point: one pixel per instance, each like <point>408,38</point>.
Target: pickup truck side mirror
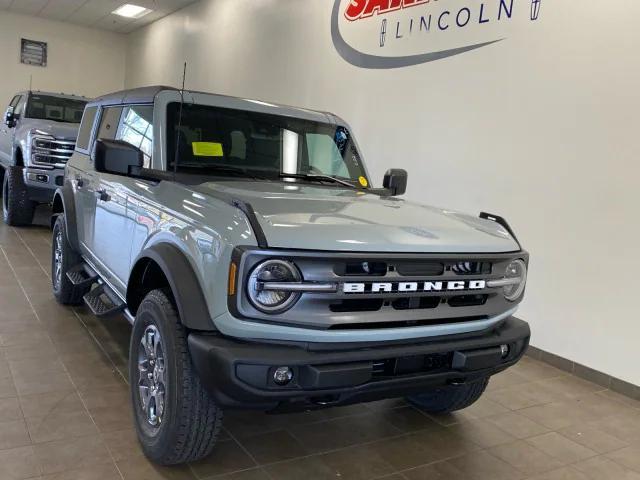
<point>117,157</point>
<point>10,118</point>
<point>395,180</point>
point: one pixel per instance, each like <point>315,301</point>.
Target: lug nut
<point>282,375</point>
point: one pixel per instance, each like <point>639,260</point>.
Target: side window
<point>15,100</point>
<point>84,134</point>
<point>18,106</point>
<point>136,128</point>
<point>324,155</point>
<point>109,123</point>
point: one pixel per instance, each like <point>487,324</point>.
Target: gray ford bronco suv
<point>37,137</point>
<point>261,270</point>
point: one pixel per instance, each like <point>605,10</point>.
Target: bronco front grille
<point>379,299</point>
<point>45,151</point>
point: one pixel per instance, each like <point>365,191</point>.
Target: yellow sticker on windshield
<point>363,181</point>
<point>207,149</point>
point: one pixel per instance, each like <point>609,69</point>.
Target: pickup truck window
<point>211,139</point>
<point>45,107</point>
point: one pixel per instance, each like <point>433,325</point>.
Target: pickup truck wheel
<point>63,257</point>
<point>450,398</point>
<point>175,418</point>
<point>17,209</point>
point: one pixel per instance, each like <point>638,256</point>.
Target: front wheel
<point>175,418</point>
<point>17,208</point>
<point>450,398</point>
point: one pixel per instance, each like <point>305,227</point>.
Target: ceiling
<point>94,13</point>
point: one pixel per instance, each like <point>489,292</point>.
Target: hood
<point>59,130</point>
<point>310,217</point>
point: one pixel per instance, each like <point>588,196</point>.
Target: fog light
<point>282,375</point>
<point>504,350</point>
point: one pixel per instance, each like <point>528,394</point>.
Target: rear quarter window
<point>86,127</point>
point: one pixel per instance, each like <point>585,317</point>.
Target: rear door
<point>7,133</point>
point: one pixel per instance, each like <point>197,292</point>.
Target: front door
<point>115,211</point>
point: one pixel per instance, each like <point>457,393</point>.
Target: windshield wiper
<point>222,169</point>
<point>321,178</point>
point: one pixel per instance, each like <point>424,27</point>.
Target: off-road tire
<point>191,420</point>
<point>17,208</point>
<point>450,398</point>
<point>63,288</point>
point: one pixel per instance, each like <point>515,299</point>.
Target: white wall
<point>541,128</point>
<point>82,61</point>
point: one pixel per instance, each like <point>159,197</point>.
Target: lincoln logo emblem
<point>535,9</point>
<point>383,32</point>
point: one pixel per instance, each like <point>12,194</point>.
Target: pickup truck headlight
<point>267,299</point>
<point>517,272</point>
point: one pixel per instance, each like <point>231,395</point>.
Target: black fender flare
<point>63,203</point>
<point>188,295</point>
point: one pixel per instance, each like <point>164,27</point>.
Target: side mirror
<point>10,118</point>
<point>395,180</point>
<point>117,157</point>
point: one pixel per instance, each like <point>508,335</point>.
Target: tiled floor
<point>65,413</point>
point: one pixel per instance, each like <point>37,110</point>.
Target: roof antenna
<point>177,155</point>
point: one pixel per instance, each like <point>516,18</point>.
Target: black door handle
<point>102,195</point>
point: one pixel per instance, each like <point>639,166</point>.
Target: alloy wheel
<point>151,379</point>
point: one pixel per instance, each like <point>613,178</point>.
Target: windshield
<point>213,140</point>
<point>46,107</point>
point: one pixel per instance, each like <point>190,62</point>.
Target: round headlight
<point>515,270</point>
<point>273,301</point>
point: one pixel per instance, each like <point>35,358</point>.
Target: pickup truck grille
<point>46,151</point>
<point>388,305</point>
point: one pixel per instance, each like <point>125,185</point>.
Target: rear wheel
<point>175,418</point>
<point>17,208</point>
<point>450,398</point>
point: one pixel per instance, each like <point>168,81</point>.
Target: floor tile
<point>561,448</point>
<point>517,425</point>
<point>71,454</point>
<point>227,457</point>
<point>274,447</point>
<point>140,468</point>
<point>628,457</point>
<point>18,463</point>
<point>14,434</point>
<point>10,409</point>
<point>60,426</point>
<point>602,468</point>
<point>525,457</point>
<point>357,463</point>
<point>107,471</point>
<point>593,438</point>
<point>482,465</point>
<point>563,473</point>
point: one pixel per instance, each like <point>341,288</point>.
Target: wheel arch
<point>18,157</point>
<point>165,265</point>
<point>63,204</point>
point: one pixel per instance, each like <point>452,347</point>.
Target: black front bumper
<point>240,374</point>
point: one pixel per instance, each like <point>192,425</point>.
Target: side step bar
<point>82,276</point>
<point>103,302</point>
